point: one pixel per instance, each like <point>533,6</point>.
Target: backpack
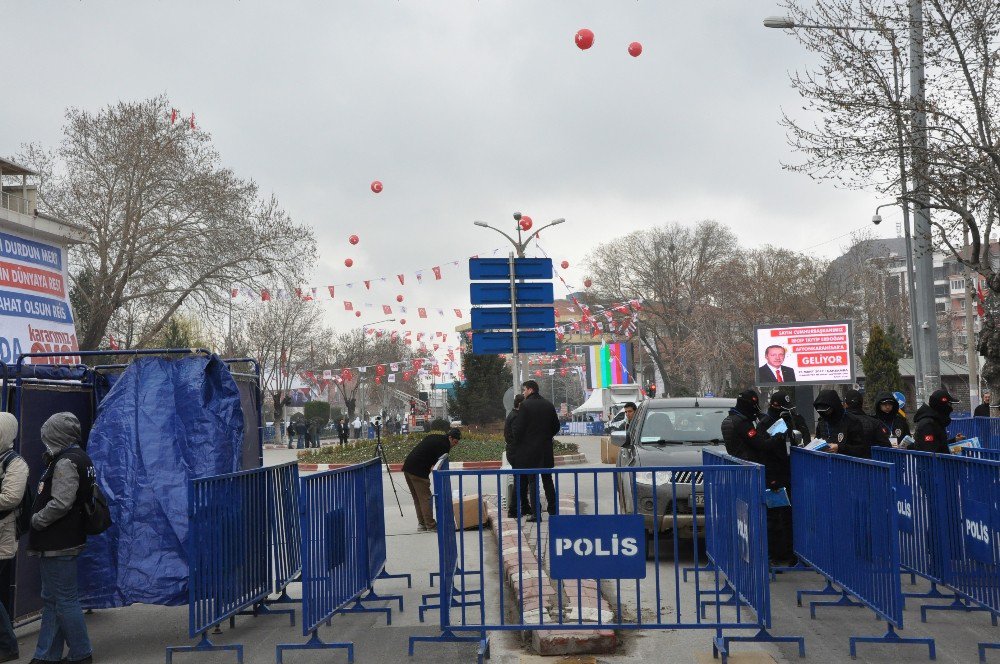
<point>22,522</point>
<point>96,513</point>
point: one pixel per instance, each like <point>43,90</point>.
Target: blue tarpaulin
<point>162,423</point>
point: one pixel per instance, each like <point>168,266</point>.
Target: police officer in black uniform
<point>887,412</point>
<point>876,434</point>
<point>778,472</point>
<point>842,431</point>
<point>739,427</point>
<point>931,422</point>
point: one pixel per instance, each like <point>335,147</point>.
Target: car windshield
<point>684,425</point>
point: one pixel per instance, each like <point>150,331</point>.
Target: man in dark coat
<point>983,409</point>
<point>931,423</point>
<point>887,412</point>
<point>342,431</point>
<point>842,431</point>
<point>417,472</point>
<point>774,454</point>
<point>533,429</point>
<point>740,427</point>
<point>510,450</point>
<point>876,434</point>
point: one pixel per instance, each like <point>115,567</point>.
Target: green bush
<point>318,410</point>
<point>439,424</point>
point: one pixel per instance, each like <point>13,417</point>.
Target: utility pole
<point>924,263</point>
<point>971,355</point>
<point>513,320</point>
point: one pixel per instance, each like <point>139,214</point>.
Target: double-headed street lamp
<point>360,381</point>
<point>520,244</point>
<point>924,334</point>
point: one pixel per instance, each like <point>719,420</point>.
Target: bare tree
<point>867,120</point>
<point>353,350</point>
<point>169,226</point>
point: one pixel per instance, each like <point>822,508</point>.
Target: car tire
<point>650,546</point>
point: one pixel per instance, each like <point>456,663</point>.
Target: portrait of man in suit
<point>774,371</point>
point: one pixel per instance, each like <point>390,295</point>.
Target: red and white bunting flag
<point>234,293</point>
<point>112,343</point>
<point>265,295</point>
<point>458,313</point>
<point>392,378</point>
<point>421,312</point>
<point>327,374</point>
<point>394,366</point>
<point>192,120</point>
<point>437,272</point>
<point>400,277</point>
<point>330,288</point>
<point>298,293</point>
<point>368,284</point>
<point>386,309</point>
<point>436,346</point>
<point>348,306</point>
<point>444,338</point>
<point>173,115</point>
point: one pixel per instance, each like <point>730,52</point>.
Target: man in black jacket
<point>510,450</point>
<point>876,434</point>
<point>57,537</point>
<point>983,409</point>
<point>773,452</point>
<point>536,424</point>
<point>842,431</point>
<point>417,472</point>
<point>931,423</point>
<point>887,412</point>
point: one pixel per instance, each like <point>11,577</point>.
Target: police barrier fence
<point>986,429</point>
<point>850,536</point>
<point>954,503</point>
<point>583,567</point>
<point>234,548</point>
<point>343,549</point>
<point>975,453</point>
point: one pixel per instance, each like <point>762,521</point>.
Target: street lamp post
<point>920,273</point>
<point>361,386</point>
<point>520,244</point>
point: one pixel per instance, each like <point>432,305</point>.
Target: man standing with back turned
<point>536,424</point>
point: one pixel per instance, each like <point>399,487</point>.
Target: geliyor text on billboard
<point>35,315</point>
<point>805,353</point>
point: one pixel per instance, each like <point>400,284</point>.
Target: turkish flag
<point>265,295</point>
<point>980,299</point>
<point>331,291</point>
<point>421,312</point>
<point>400,277</point>
<point>386,309</point>
<point>458,313</point>
<point>348,306</point>
<point>437,272</point>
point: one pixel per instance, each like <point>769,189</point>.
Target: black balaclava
<point>748,403</point>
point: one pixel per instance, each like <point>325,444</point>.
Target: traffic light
<point>651,391</point>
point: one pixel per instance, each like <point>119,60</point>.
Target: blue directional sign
<point>499,318</point>
<point>496,343</point>
<point>597,547</point>
<point>494,269</point>
<point>499,293</point>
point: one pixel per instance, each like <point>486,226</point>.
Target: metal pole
<point>926,314</point>
<point>513,320</point>
<point>361,387</point>
<point>915,341</point>
<point>971,356</point>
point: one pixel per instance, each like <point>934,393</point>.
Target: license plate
<point>699,499</point>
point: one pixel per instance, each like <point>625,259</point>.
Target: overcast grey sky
<point>464,110</point>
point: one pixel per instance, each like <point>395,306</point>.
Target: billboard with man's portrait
<point>804,353</point>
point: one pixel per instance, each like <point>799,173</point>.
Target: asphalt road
<point>139,634</point>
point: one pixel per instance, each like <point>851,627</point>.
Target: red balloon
<point>357,314</point>
<point>402,321</point>
<point>635,49</point>
<point>348,262</point>
<point>587,283</point>
<point>354,239</point>
<point>565,264</point>
<point>525,223</point>
<point>399,298</point>
<point>584,39</point>
<point>377,186</point>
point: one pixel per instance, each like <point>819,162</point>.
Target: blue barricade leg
<point>206,646</point>
<point>710,567</point>
<point>762,636</point>
<point>933,593</point>
<point>262,609</point>
<point>983,647</point>
<point>845,600</point>
<point>827,590</point>
<point>358,607</point>
<point>799,566</point>
<point>893,638</point>
<point>957,605</point>
<point>385,575</point>
<point>449,636</point>
<point>314,643</point>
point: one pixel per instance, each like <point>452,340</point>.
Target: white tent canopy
<point>593,404</point>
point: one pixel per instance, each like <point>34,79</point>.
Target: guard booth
<point>33,391</point>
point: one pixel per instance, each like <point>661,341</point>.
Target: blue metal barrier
<point>986,429</point>
<point>977,453</point>
<point>338,561</point>
<point>850,537</point>
<point>285,529</point>
<point>598,504</point>
<point>969,493</point>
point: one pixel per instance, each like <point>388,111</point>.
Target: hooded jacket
<point>57,522</point>
<point>739,428</point>
<point>930,430</point>
<point>876,434</point>
<point>840,428</point>
<point>11,485</point>
<point>893,420</point>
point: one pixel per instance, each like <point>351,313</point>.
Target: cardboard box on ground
<point>467,511</point>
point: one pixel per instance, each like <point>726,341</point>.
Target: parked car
<point>669,433</point>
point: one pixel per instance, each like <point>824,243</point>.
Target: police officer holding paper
<point>931,422</point>
<point>842,431</point>
<point>876,434</point>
